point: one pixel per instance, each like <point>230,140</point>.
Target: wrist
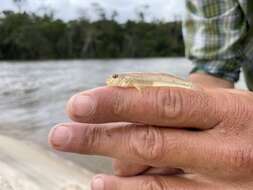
<point>209,81</point>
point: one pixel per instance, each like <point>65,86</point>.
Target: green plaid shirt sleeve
<point>214,31</point>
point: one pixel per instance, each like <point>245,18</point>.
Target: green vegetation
<point>29,36</point>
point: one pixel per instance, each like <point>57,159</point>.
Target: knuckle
<point>239,160</point>
<point>152,183</point>
<point>147,144</point>
<point>236,107</point>
<point>235,114</point>
<point>90,139</point>
<point>169,104</point>
<point>242,158</point>
<point>180,105</point>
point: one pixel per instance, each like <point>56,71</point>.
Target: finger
<point>146,145</point>
<point>176,107</point>
<point>127,168</point>
<point>103,182</point>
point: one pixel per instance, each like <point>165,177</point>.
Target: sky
<point>71,9</point>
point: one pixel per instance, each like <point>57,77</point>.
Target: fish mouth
<point>111,82</point>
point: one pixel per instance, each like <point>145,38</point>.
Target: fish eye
<point>115,76</point>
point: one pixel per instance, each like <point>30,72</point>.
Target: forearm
<point>210,81</point>
<point>213,42</point>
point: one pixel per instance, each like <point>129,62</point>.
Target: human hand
<point>126,169</point>
<point>217,156</point>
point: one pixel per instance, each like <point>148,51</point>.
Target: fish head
<point>117,80</point>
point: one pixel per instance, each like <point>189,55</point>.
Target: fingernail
<point>60,136</point>
<point>97,183</point>
<point>83,105</point>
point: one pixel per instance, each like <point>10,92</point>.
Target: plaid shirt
<point>219,37</point>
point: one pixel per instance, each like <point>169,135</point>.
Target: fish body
<point>142,80</point>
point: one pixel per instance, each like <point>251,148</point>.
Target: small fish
<point>142,80</point>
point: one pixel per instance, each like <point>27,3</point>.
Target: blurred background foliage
<point>28,36</point>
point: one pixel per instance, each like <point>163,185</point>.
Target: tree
<point>142,12</point>
<point>30,36</point>
<point>46,10</point>
<point>115,14</point>
<point>99,10</point>
<point>19,4</point>
<point>83,13</point>
<point>7,12</point>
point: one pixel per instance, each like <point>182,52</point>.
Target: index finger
<point>173,107</point>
